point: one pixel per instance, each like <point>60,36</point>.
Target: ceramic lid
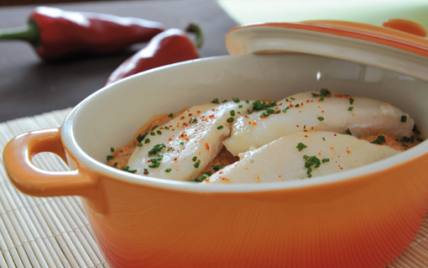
<point>399,46</point>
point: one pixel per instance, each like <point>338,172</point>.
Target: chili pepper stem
<point>194,28</point>
<point>29,33</point>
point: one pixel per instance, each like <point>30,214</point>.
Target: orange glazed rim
<point>360,31</point>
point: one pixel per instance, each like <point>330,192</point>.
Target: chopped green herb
<point>147,141</point>
<point>419,139</point>
<point>322,98</point>
<point>240,106</point>
<point>156,149</point>
<point>285,110</point>
<point>348,131</point>
<point>218,167</point>
<point>215,100</point>
<point>247,101</point>
<point>325,160</point>
<point>159,132</point>
<point>224,101</point>
<point>194,158</point>
<point>230,120</point>
<point>112,149</point>
<point>350,108</point>
<point>236,100</point>
<point>152,133</point>
<point>379,140</point>
<point>320,118</point>
<point>125,168</point>
<point>403,119</point>
<point>109,157</point>
<point>301,146</point>
<point>155,164</point>
<point>351,101</point>
<point>196,165</point>
<point>277,111</point>
<point>169,149</point>
<point>182,143</point>
<point>115,164</point>
<point>252,161</point>
<point>193,120</point>
<point>259,105</point>
<point>232,112</point>
<point>416,130</point>
<point>219,127</point>
<point>249,112</point>
<point>153,128</point>
<point>324,92</point>
<point>292,98</point>
<point>170,115</point>
<point>314,94</point>
<point>168,170</point>
<point>297,105</point>
<point>286,100</point>
<point>139,144</point>
<point>141,137</point>
<point>166,127</point>
<point>312,161</point>
<point>323,138</point>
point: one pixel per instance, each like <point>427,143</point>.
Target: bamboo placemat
<point>54,232</point>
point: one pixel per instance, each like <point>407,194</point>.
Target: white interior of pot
<point>111,116</point>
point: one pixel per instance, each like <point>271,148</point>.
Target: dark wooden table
<point>29,86</point>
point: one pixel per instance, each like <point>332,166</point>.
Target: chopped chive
<point>224,101</point>
<point>320,118</point>
<point>196,165</point>
<point>219,127</point>
<point>232,112</point>
<point>322,98</point>
<point>252,161</point>
<point>240,106</point>
<point>194,158</point>
<point>152,133</point>
<point>153,128</point>
<point>193,120</point>
<point>351,101</point>
<point>403,119</point>
<point>139,144</point>
<point>169,149</point>
<point>350,108</point>
<point>170,115</point>
<point>301,146</point>
<point>166,127</point>
<point>236,100</point>
<point>325,160</point>
<point>379,140</point>
<point>215,100</point>
<point>348,131</point>
<point>168,170</point>
<point>109,157</point>
<point>297,105</point>
<point>314,94</point>
<point>218,167</point>
<point>247,101</point>
<point>115,164</point>
<point>112,149</point>
<point>292,98</point>
<point>125,168</point>
<point>156,149</point>
<point>230,120</point>
<point>147,141</point>
<point>182,143</point>
<point>141,137</point>
<point>159,132</point>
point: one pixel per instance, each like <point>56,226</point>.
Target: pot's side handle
<point>34,181</point>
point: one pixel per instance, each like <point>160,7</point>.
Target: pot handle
<point>34,181</point>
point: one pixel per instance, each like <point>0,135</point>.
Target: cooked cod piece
<point>182,148</point>
<point>302,155</point>
<point>318,110</point>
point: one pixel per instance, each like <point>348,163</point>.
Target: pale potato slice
<point>306,112</point>
<point>284,159</point>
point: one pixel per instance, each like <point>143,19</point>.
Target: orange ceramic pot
<point>364,217</point>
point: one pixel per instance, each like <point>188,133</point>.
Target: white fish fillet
<point>368,117</point>
<point>281,160</point>
<point>184,141</point>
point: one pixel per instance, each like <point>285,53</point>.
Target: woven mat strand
<point>54,232</point>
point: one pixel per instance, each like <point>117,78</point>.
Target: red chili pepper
<point>165,48</point>
<point>55,33</point>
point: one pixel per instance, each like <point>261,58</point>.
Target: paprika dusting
<point>55,33</point>
<point>168,47</point>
